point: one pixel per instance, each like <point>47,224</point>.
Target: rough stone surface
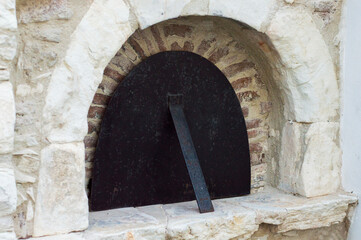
<point>234,218</point>
<point>43,10</point>
<point>7,117</point>
<point>6,224</point>
<point>7,17</point>
<point>147,15</point>
<point>61,204</point>
<point>4,74</point>
<point>310,89</point>
<point>310,159</point>
<point>7,236</point>
<point>88,54</point>
<point>255,13</point>
<point>306,78</point>
<point>8,46</point>
<point>8,196</point>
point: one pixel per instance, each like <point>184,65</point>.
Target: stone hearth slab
<point>233,217</point>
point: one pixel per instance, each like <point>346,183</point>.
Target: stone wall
<point>44,32</point>
<point>8,44</point>
<point>63,47</point>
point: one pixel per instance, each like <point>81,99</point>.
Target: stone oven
<point>277,57</point>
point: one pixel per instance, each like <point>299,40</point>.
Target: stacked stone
<point>211,40</point>
<point>8,195</point>
<point>307,85</point>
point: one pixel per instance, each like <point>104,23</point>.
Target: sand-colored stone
<point>61,202</point>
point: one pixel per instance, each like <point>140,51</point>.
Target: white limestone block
<point>8,194</point>
<point>196,7</point>
<point>310,159</point>
<point>95,41</point>
<point>8,236</point>
<point>8,15</point>
<point>255,13</point>
<point>6,224</point>
<point>8,45</point>
<point>4,74</point>
<point>61,203</point>
<point>150,12</point>
<point>7,117</point>
<point>310,89</point>
<point>321,168</point>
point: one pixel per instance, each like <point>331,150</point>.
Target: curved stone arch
<point>310,80</point>
<point>308,87</point>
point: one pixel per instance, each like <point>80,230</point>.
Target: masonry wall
<point>43,34</point>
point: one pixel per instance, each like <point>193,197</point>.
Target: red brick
<point>108,86</point>
<point>266,107</point>
<point>175,47</point>
<point>247,96</point>
<point>205,46</point>
<point>188,46</point>
<point>137,48</point>
<point>255,147</point>
<point>89,154</point>
<point>245,111</point>
<point>93,126</point>
<point>96,112</point>
<point>158,38</point>
<point>235,68</point>
<point>252,133</point>
<point>257,158</point>
<point>177,30</point>
<point>123,62</point>
<point>241,83</point>
<point>218,54</point>
<point>254,123</point>
<point>90,141</point>
<point>259,80</point>
<point>101,99</point>
<point>113,74</point>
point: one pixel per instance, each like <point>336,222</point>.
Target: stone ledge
<point>236,217</point>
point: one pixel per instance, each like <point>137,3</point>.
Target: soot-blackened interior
<point>138,159</point>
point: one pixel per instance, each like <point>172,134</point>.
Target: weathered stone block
<point>310,159</point>
<point>8,236</point>
<point>148,15</point>
<point>8,45</point>
<point>255,13</point>
<point>310,89</point>
<point>91,49</point>
<point>61,204</point>
<point>7,117</point>
<point>8,16</point>
<point>4,74</point>
<point>6,224</point>
<point>8,194</point>
<point>43,10</point>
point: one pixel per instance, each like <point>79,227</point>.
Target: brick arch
<point>205,37</point>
